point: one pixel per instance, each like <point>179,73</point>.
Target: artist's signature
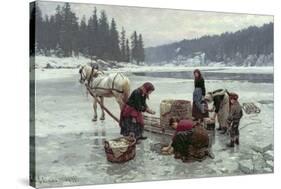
<point>49,180</point>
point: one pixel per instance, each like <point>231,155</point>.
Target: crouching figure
<point>190,142</point>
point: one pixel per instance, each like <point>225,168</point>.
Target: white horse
<point>113,85</point>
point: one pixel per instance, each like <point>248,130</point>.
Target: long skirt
<point>131,121</point>
<point>224,112</point>
<point>130,126</point>
<point>198,106</point>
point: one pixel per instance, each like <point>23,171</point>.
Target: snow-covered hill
<point>55,68</point>
<point>199,59</point>
<point>53,62</point>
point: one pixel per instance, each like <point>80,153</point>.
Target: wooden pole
<point>102,106</point>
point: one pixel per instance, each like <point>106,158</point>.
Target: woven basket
<point>180,109</point>
<point>126,156</point>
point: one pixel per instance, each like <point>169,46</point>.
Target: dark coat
<point>218,96</point>
<point>137,100</point>
<point>217,102</point>
<point>200,83</point>
<point>235,113</point>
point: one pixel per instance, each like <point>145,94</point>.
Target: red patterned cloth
<point>130,112</point>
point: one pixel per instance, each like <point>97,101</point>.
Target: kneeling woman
<point>189,141</point>
<point>131,119</point>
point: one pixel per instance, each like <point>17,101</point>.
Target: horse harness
<point>113,82</point>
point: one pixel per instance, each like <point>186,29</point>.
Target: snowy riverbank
<point>54,67</point>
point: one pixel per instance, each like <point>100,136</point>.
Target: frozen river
<point>69,146</point>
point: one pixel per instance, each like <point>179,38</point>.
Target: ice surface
<point>69,146</point>
<point>269,155</point>
<point>262,146</point>
<point>246,166</point>
<point>270,164</point>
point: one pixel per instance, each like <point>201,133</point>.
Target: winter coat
<point>137,100</point>
<point>235,113</point>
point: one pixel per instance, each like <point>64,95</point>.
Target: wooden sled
<point>250,108</point>
<point>152,124</point>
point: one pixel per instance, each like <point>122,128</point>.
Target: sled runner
<point>152,124</point>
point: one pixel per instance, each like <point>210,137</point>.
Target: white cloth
<point>118,147</point>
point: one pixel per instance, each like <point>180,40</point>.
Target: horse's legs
<point>119,100</point>
<point>95,110</point>
<point>102,110</point>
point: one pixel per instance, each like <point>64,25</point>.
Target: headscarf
<point>199,74</point>
<point>233,96</point>
<point>184,125</point>
<point>147,86</point>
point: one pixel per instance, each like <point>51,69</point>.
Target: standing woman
<point>198,107</point>
<point>131,119</point>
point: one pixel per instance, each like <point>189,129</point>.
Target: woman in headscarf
<point>199,106</point>
<point>220,99</point>
<point>131,119</point>
<point>189,140</point>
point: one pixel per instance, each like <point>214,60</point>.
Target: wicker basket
<point>180,109</point>
<point>129,154</point>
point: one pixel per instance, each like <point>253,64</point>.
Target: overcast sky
<point>161,26</point>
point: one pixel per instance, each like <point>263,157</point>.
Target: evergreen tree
<point>62,35</point>
<point>45,42</point>
<point>83,39</point>
<point>134,47</point>
<point>69,30</point>
<point>58,28</point>
<point>75,36</point>
<point>39,32</point>
<point>93,36</point>
<point>52,33</point>
<point>229,47</point>
<point>140,49</point>
<point>123,45</point>
<point>127,52</point>
<point>114,42</point>
<point>103,36</point>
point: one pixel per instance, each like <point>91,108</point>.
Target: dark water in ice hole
<point>250,77</point>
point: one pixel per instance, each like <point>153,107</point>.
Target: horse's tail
<point>126,90</point>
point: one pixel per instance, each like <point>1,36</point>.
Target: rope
<point>113,82</point>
